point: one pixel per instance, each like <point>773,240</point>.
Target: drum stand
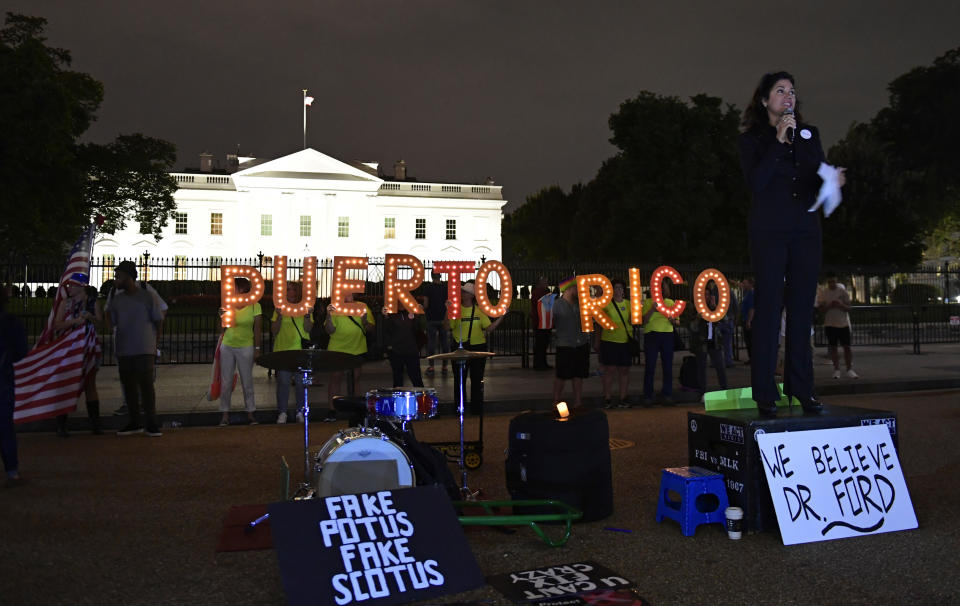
<point>460,371</point>
<point>306,490</point>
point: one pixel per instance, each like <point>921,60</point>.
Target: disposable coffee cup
<point>734,522</point>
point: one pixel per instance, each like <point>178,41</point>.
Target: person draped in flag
<point>50,379</point>
<point>78,311</point>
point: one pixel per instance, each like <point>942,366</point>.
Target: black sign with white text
<point>544,585</point>
<point>388,547</point>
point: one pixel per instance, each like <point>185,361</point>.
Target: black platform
<point>725,441</point>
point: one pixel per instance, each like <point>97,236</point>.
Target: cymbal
<point>316,360</point>
<point>462,354</point>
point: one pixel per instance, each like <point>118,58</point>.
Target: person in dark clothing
<point>780,155</point>
<point>541,334</point>
<point>435,309</point>
<point>400,338</point>
<point>13,347</point>
<point>706,339</point>
<point>746,315</point>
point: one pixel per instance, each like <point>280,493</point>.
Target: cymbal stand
<point>305,490</point>
<point>460,371</point>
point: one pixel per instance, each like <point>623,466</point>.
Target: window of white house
<point>305,225</point>
<point>451,229</point>
<point>343,227</point>
<point>180,223</point>
<point>266,225</point>
<point>109,262</point>
<point>421,229</point>
<point>216,224</point>
<point>389,228</point>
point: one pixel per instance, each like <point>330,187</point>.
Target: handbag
<point>631,341</point>
<point>373,345</point>
<point>305,343</point>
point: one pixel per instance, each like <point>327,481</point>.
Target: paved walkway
<point>508,387</point>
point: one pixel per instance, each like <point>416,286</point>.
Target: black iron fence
<point>192,288</point>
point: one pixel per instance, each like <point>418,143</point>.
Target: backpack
<point>688,372</point>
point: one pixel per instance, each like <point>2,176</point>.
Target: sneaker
<point>281,418</point>
<point>429,371</point>
<point>300,418</point>
<point>625,403</point>
<point>224,422</point>
<point>153,433</point>
<point>607,403</point>
<point>851,374</point>
<point>121,411</point>
<point>836,373</point>
<point>129,430</point>
<point>252,420</point>
<point>330,419</point>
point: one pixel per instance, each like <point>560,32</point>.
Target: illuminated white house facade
<point>309,204</point>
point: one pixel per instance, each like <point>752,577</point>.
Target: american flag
<point>77,262</point>
<point>49,380</point>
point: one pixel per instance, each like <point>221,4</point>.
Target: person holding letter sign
<point>471,328</point>
<point>780,155</point>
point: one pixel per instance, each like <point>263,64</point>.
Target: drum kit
<point>370,457</point>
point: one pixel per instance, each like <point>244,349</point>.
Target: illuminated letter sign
<point>230,300</point>
<point>700,290</point>
<point>636,297</point>
<point>341,285</point>
<point>395,288</point>
<point>453,269</point>
<point>591,308</point>
<point>309,282</point>
<point>506,289</point>
<point>656,291</point>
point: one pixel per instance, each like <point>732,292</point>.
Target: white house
<point>309,204</point>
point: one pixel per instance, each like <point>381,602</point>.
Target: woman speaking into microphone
<point>780,155</point>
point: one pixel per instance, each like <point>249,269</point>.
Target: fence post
<point>916,329</point>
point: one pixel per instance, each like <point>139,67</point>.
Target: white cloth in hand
<point>829,195</point>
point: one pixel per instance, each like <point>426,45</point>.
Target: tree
<point>674,191</point>
<point>51,185</point>
<point>903,187</point>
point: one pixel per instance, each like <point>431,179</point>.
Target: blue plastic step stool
<point>692,483</point>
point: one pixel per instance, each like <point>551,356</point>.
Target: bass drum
<point>360,459</point>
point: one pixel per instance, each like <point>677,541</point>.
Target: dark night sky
<point>520,91</point>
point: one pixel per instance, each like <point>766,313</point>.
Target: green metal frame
<point>567,514</point>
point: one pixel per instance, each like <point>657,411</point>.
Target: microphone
<point>790,130</point>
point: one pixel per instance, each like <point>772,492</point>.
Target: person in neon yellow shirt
<point>471,328</point>
<point>612,345</point>
<point>348,334</point>
<point>239,350</point>
<point>657,340</point>
<point>288,332</point>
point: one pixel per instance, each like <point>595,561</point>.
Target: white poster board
<point>835,483</point>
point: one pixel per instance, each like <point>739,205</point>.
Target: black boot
<point>93,412</point>
<point>62,426</point>
<point>767,408</point>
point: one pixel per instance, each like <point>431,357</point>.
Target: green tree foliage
<point>51,185</point>
<point>902,179</point>
<point>674,191</point>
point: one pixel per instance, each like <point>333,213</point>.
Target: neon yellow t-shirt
<point>287,337</point>
<point>348,336</point>
<point>657,322</point>
<point>241,333</point>
<point>479,321</point>
<point>619,334</point>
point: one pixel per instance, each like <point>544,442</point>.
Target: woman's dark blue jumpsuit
<point>786,251</point>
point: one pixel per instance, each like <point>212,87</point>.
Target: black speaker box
<point>566,460</point>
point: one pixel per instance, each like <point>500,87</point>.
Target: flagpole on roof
<point>306,102</point>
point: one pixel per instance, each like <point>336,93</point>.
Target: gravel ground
<point>135,520</point>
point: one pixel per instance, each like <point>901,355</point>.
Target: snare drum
<point>361,459</point>
<point>401,404</point>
